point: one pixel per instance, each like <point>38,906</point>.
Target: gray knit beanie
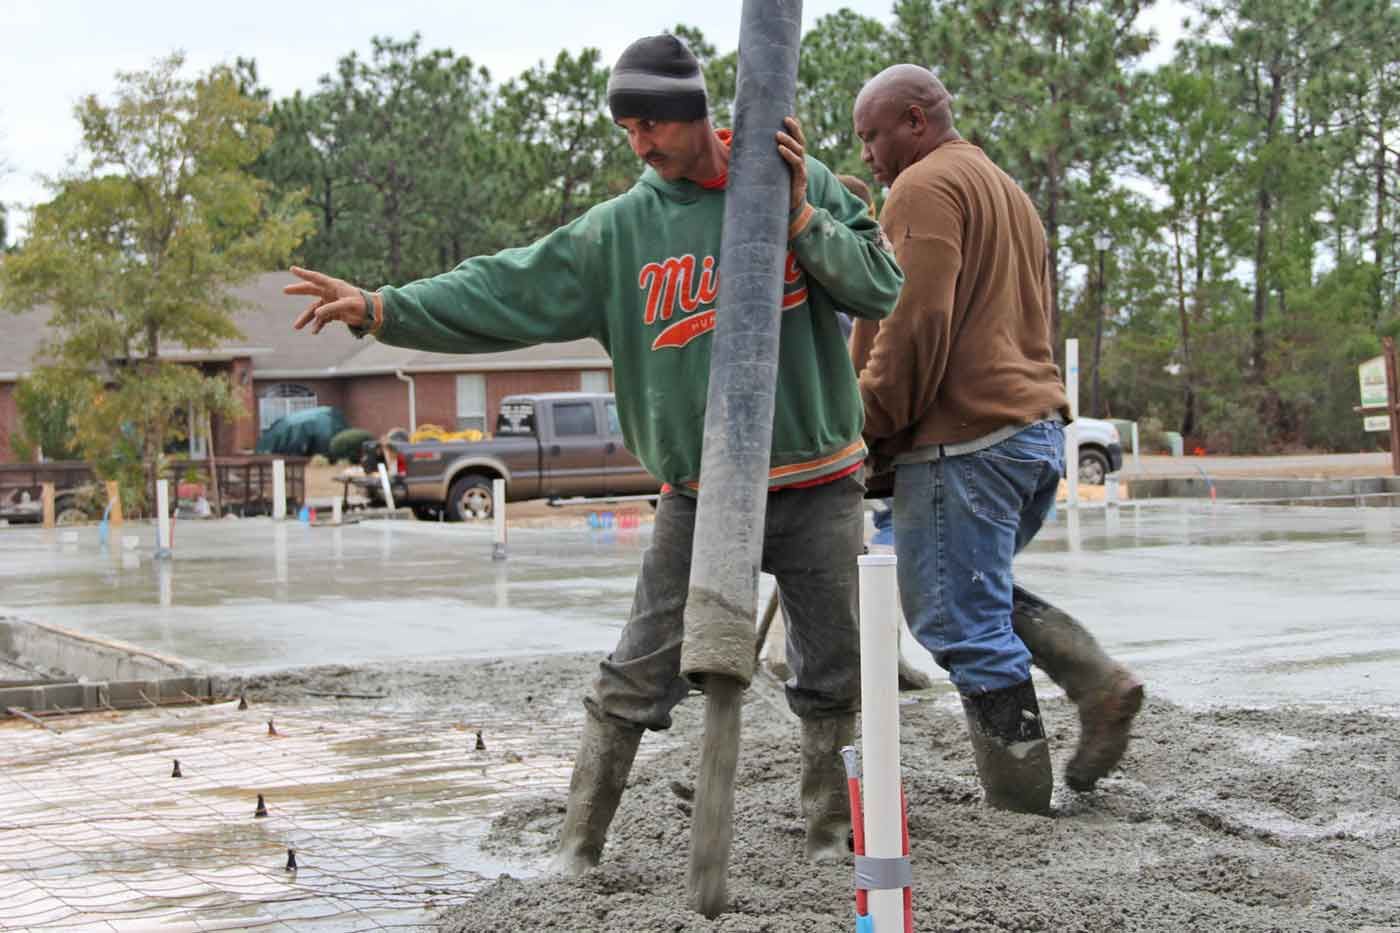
<point>657,78</point>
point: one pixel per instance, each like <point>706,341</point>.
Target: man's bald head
<point>901,115</point>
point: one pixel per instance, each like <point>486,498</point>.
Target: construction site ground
<point>1260,792</point>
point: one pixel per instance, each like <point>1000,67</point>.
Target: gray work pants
<point>812,537</point>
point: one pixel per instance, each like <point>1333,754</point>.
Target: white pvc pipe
<point>279,489</point>
<point>166,579</point>
<point>335,511</point>
<point>1072,432</point>
<point>879,722</point>
<point>384,482</point>
<point>279,551</point>
<point>412,401</point>
<point>498,515</point>
<point>162,514</point>
<point>1137,452</point>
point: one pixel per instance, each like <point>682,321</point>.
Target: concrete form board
<point>128,694</point>
<point>1235,488</point>
<point>89,673</point>
<point>54,649</point>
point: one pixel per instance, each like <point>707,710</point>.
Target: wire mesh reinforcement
<point>383,811</point>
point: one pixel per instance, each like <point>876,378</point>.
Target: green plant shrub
<point>346,445</point>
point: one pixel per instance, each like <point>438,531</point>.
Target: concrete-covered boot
<point>1008,741</point>
<point>1107,694</point>
<point>604,760</point>
<point>826,803</point>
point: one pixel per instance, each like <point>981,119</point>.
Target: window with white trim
<point>280,400</point>
<point>594,380</point>
<point>471,401</point>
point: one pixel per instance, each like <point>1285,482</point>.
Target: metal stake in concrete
<point>291,859</point>
<point>498,515</point>
<point>717,650</point>
<point>1072,432</point>
<point>176,772</point>
<point>261,811</point>
<point>163,540</point>
<point>279,489</point>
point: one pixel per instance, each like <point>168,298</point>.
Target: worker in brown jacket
<point>964,401</point>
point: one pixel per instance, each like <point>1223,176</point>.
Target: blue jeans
<point>883,517</point>
<point>958,523</point>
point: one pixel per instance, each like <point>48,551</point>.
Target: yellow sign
<point>1373,387</point>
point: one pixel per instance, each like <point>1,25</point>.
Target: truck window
<point>574,419</point>
<point>614,426</point>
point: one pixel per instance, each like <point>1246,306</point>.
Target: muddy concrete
<point>1241,819</point>
<point>1233,604</point>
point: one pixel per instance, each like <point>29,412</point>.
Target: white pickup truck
<point>1100,450</point>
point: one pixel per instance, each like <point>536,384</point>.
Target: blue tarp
<point>303,433</point>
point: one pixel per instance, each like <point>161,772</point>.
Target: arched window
<point>282,398</point>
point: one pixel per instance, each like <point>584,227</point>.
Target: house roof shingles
<point>278,351</point>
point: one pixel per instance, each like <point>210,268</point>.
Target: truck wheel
<point>1093,467</point>
<point>470,499</point>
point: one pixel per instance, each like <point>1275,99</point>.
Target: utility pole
<point>1392,386</point>
<point>1101,243</point>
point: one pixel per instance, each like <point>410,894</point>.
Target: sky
<point>54,52</point>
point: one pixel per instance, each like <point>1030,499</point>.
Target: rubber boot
<point>1008,741</point>
<point>1106,693</point>
<point>604,760</point>
<point>826,803</point>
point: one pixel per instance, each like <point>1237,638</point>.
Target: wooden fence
<point>244,483</point>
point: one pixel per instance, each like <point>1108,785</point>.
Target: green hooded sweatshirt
<point>639,274</point>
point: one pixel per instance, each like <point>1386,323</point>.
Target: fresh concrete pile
<point>1228,819</point>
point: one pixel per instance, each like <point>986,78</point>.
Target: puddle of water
<point>1275,747</point>
<point>384,812</point>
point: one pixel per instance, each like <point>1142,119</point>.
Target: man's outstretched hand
<point>335,300</point>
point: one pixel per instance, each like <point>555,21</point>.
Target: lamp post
<point>1101,243</point>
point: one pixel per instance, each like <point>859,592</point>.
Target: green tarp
<point>303,433</point>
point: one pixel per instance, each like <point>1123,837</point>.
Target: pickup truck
<point>1100,450</point>
<point>545,446</point>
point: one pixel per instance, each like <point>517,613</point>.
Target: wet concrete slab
<point>1240,605</point>
<point>1215,603</point>
<point>254,595</point>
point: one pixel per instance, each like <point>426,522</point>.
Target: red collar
<point>719,182</point>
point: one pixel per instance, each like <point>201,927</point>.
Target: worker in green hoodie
<point>640,274</point>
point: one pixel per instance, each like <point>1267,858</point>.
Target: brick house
<point>278,370</point>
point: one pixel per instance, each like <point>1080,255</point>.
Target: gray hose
<point>717,650</point>
<point>734,464</point>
